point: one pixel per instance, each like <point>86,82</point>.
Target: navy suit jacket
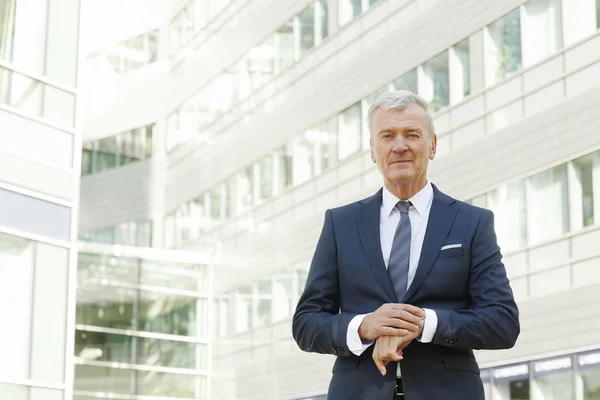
<point>466,286</point>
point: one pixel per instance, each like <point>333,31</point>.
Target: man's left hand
<point>389,348</point>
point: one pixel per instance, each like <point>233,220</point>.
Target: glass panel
<point>556,386</point>
<point>215,205</point>
<point>17,257</point>
<point>584,184</point>
<point>167,313</point>
<point>322,4</point>
<point>435,87</point>
<point>284,46</point>
<point>243,309</point>
<point>510,215</point>
<point>98,346</point>
<point>283,296</point>
<point>502,47</point>
<point>107,153</point>
<point>266,169</point>
<point>460,86</point>
<point>590,381</point>
<point>170,385</point>
<point>263,303</point>
<point>579,19</point>
<point>14,392</point>
<point>148,142</point>
<point>170,353</point>
<point>103,379</point>
<point>49,320</point>
<point>245,190</point>
<point>547,195</point>
<point>306,20</point>
<point>36,98</point>
<point>541,20</point>
<point>86,162</point>
<point>8,19</point>
<point>173,275</point>
<point>348,9</point>
<point>408,81</point>
<point>321,139</point>
<point>303,154</point>
<point>105,306</point>
<point>349,134</point>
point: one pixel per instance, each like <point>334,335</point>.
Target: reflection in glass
<point>170,385</point>
<point>103,379</point>
<point>99,346</point>
<point>171,353</point>
<point>510,215</point>
<point>284,46</point>
<point>350,132</point>
<point>167,313</point>
<point>8,12</point>
<point>242,300</point>
<point>541,30</point>
<point>266,169</point>
<point>547,195</point>
<point>306,20</point>
<point>106,306</point>
<point>245,190</point>
<point>321,15</point>
<point>107,153</point>
<point>348,9</point>
<point>502,47</point>
<point>556,386</point>
<point>460,85</point>
<point>408,81</point>
<point>586,169</point>
<point>590,380</point>
<point>435,87</point>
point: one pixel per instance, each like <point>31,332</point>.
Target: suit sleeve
<point>492,321</point>
<point>318,325</point>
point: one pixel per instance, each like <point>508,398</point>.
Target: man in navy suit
<point>405,284</point>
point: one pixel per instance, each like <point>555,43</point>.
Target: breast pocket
<point>452,252</point>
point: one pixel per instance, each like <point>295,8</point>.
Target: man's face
<point>401,145</point>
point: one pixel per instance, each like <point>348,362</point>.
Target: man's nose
<point>399,145</point>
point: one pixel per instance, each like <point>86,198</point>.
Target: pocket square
<point>451,246</point>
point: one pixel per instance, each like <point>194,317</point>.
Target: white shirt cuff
<point>353,341</point>
<point>430,326</point>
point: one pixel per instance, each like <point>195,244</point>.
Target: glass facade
<point>141,327</point>
<point>568,192</point>
<point>572,376</point>
<point>135,233</point>
<point>509,44</point>
<point>117,150</point>
<point>279,51</point>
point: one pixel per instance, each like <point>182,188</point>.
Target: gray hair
<point>399,100</point>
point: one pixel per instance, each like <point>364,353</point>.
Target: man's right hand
<point>391,320</point>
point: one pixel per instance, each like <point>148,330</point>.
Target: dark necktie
<point>400,253</point>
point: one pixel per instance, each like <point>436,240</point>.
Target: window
<point>303,152</point>
<point>245,190</point>
<point>107,153</point>
<point>266,168</point>
<point>435,85</point>
<point>547,195</point>
<point>541,29</point>
<point>284,46</point>
<point>348,9</point>
<point>510,215</point>
<point>322,25</point>
<point>33,342</point>
<point>306,21</point>
<point>408,81</point>
<point>350,131</point>
<point>590,380</point>
<point>502,47</point>
<point>460,85</point>
<point>8,12</point>
<point>584,194</point>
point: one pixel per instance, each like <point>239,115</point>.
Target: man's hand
<point>392,320</point>
<point>389,348</point>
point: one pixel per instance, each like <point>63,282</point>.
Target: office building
<point>233,125</point>
<point>40,150</point>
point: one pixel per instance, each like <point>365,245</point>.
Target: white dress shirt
<point>389,217</point>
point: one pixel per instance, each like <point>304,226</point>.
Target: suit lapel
<point>441,217</point>
<point>368,227</point>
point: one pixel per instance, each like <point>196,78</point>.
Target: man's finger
<point>380,366</point>
<point>416,311</point>
<point>388,331</point>
<point>405,316</point>
<point>399,323</point>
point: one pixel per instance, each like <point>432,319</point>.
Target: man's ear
<point>372,151</point>
<point>433,147</point>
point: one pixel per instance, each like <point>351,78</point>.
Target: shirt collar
<point>419,200</point>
